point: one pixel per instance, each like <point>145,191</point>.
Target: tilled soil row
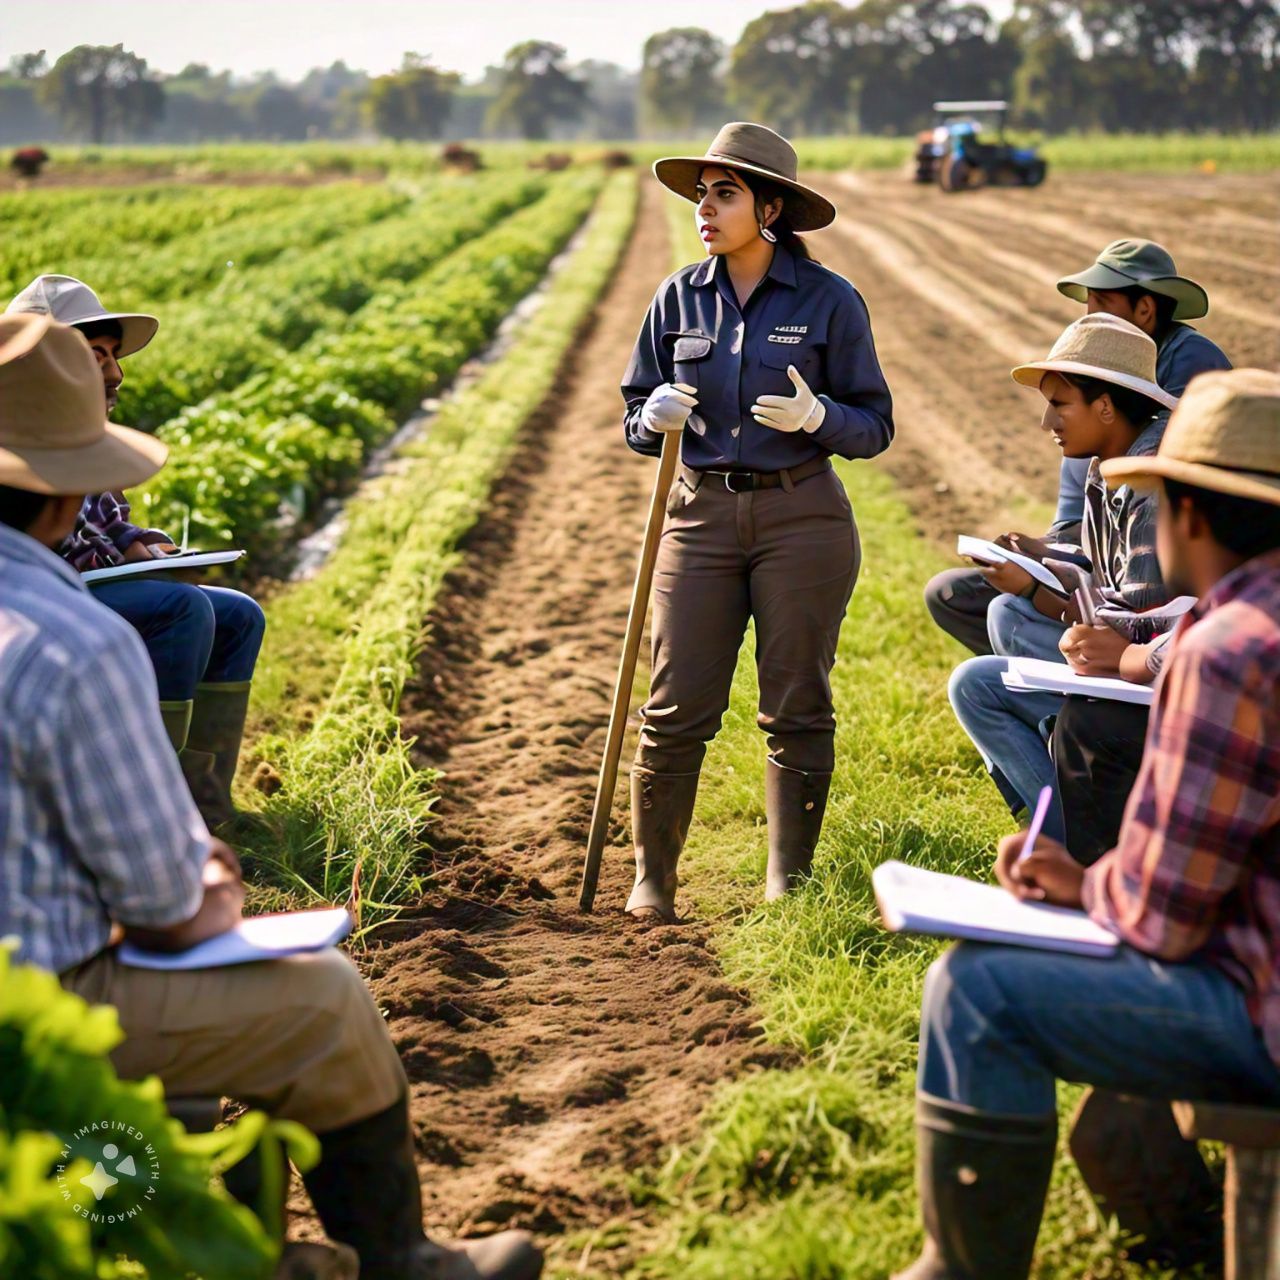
<point>547,1049</point>
<point>961,288</point>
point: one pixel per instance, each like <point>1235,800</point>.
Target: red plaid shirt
<point>1196,873</point>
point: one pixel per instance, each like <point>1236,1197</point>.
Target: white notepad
<point>182,560</point>
<point>258,938</point>
<point>1038,675</point>
<point>985,552</point>
<point>913,900</point>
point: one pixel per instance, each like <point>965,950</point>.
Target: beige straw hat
<point>54,434</point>
<point>1224,435</point>
<point>71,301</point>
<point>751,148</point>
<point>1104,347</point>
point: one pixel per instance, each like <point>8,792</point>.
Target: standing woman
<point>764,362</point>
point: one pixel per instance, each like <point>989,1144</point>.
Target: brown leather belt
<point>745,481</point>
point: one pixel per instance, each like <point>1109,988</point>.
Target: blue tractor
<point>952,155</point>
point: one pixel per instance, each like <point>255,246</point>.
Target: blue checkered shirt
<point>96,822</point>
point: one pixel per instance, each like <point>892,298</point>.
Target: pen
<point>1084,606</point>
<point>1037,821</point>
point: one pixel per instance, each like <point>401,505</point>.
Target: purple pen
<point>1037,821</point>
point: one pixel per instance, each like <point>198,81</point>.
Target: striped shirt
<point>1196,872</point>
<point>103,533</point>
<point>96,822</point>
<point>1120,540</point>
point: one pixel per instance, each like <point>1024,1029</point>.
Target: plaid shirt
<point>1197,870</point>
<point>103,533</point>
<point>96,822</point>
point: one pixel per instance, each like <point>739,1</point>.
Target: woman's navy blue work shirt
<point>800,314</point>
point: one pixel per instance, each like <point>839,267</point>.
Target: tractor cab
<point>957,155</point>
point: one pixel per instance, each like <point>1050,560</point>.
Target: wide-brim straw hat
<point>71,301</point>
<point>1224,435</point>
<point>751,148</point>
<point>1105,347</point>
<point>54,434</point>
<point>1125,263</point>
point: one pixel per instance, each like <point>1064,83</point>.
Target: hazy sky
<point>291,36</point>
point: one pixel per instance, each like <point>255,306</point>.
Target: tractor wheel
<point>1035,173</point>
<point>953,173</point>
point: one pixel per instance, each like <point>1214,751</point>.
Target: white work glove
<point>668,406</point>
<point>800,412</point>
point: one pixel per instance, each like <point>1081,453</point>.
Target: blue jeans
<point>194,635</point>
<point>1005,727</point>
<point>1017,629</point>
<point>1001,1024</point>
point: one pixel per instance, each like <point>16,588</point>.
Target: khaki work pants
<point>787,558</point>
<point>299,1037</point>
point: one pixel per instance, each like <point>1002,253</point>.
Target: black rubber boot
<point>661,810</point>
<point>366,1191</point>
<point>982,1181</point>
<point>795,802</point>
<point>213,748</point>
<point>176,718</point>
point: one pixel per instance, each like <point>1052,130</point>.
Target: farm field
<point>729,1099</point>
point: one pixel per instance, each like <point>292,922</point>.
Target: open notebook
<point>985,552</point>
<point>180,560</point>
<point>1037,675</point>
<point>258,938</point>
<point>913,900</point>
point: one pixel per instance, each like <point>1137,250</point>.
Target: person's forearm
<point>219,911</point>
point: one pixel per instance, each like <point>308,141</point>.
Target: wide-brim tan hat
<point>71,301</point>
<point>1105,347</point>
<point>1224,436</point>
<point>751,148</point>
<point>54,434</point>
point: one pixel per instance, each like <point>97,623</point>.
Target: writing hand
<point>1047,874</point>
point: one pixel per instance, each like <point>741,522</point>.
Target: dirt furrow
<point>546,1048</point>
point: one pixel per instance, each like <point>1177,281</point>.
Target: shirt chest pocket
<point>805,354</point>
<point>690,350</point>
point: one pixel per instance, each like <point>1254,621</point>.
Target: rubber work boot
<point>366,1192</point>
<point>795,802</point>
<point>176,718</point>
<point>1146,1175</point>
<point>661,810</point>
<point>213,748</point>
<point>982,1181</point>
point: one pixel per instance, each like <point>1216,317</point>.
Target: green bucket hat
<point>1125,263</point>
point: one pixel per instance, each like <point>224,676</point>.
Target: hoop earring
<point>768,235</point>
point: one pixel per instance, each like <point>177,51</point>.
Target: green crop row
<point>250,322</point>
<point>295,435</point>
<point>141,276</point>
<point>341,645</point>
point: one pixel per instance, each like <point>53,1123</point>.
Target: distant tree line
<point>821,67</point>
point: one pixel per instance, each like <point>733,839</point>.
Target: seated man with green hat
<point>1137,281</point>
<point>203,641</point>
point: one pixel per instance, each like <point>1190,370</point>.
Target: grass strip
<point>807,1173</point>
<point>350,795</point>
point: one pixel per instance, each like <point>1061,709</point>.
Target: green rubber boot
<point>176,717</point>
<point>213,748</point>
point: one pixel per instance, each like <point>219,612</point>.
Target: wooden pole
<point>627,669</point>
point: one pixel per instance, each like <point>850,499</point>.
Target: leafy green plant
<point>170,1215</point>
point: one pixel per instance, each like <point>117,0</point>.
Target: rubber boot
<point>661,810</point>
<point>176,718</point>
<point>982,1181</point>
<point>366,1192</point>
<point>213,748</point>
<point>1150,1179</point>
<point>795,802</point>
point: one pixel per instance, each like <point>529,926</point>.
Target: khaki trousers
<point>787,558</point>
<point>299,1037</point>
